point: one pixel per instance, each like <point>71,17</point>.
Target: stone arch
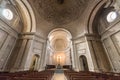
<point>104,3</point>
<point>65,37</point>
<point>68,37</point>
<point>91,30</point>
<point>29,27</point>
<point>83,63</point>
<point>34,62</point>
<point>27,15</point>
<point>28,22</point>
<point>60,29</point>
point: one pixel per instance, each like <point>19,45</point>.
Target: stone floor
<point>59,75</point>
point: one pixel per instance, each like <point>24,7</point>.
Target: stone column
<point>75,59</point>
<point>91,50</point>
<point>97,52</point>
<point>43,58</point>
<point>24,50</point>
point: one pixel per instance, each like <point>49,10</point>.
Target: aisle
<point>59,75</point>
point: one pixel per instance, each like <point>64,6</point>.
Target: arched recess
<point>27,15</point>
<point>109,33</point>
<point>66,36</point>
<point>103,3</point>
<point>34,62</point>
<point>18,56</point>
<point>60,29</point>
<point>59,46</point>
<point>100,58</point>
<point>83,63</point>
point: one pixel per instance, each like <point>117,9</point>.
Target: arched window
<point>111,16</point>
<point>7,13</point>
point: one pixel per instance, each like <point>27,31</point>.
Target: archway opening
<point>18,20</point>
<point>34,62</point>
<point>103,25</point>
<point>83,63</point>
<point>58,50</point>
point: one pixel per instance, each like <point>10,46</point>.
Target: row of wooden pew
<point>27,75</point>
<point>86,75</point>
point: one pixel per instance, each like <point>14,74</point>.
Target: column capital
<point>94,37</point>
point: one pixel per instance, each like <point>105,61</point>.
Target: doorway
<point>34,63</point>
<point>83,63</point>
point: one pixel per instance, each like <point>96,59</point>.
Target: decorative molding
<point>5,27</point>
<point>35,50</point>
<point>96,8</point>
<point>32,35</point>
<point>109,3</point>
<point>93,37</point>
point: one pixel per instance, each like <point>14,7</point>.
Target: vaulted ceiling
<point>60,12</point>
<point>69,14</point>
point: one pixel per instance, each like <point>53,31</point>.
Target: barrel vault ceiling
<point>68,14</point>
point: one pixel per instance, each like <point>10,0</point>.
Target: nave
<point>37,35</point>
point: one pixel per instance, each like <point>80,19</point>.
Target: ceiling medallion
<point>60,1</point>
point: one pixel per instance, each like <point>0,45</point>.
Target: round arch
<point>65,36</point>
<point>34,62</point>
<point>27,14</point>
<point>59,44</point>
<point>96,9</point>
<point>60,29</point>
<point>83,63</point>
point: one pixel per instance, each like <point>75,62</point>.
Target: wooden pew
<point>83,75</point>
<point>28,75</point>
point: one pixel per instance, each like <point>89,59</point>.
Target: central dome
<point>61,12</point>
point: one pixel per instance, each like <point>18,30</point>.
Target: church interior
<point>59,39</point>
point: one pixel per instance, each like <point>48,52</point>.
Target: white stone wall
<point>37,47</point>
<point>111,41</point>
<point>7,41</point>
<point>81,48</point>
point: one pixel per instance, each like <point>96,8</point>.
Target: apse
<point>59,45</point>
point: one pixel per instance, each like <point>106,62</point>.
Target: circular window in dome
<point>7,13</point>
<point>111,16</point>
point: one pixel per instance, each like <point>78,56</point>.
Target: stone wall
<point>80,47</point>
<point>110,36</point>
<point>8,37</point>
<point>38,47</point>
<point>7,42</point>
<point>28,45</point>
<point>111,41</point>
